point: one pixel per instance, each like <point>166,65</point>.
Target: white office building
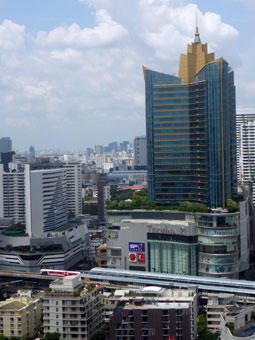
<point>101,159</point>
<point>242,117</point>
<point>140,151</point>
<point>12,195</point>
<point>73,188</point>
<point>46,200</point>
<point>247,154</point>
<point>36,198</point>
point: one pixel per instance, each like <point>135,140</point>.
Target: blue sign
<point>136,246</point>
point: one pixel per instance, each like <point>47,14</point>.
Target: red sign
<point>132,257</point>
<point>170,337</point>
<point>140,257</point>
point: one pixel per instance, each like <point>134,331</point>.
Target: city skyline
<point>60,86</point>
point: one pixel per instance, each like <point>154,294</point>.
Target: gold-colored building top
<point>195,59</point>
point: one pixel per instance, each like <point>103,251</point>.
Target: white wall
<point>1,191</point>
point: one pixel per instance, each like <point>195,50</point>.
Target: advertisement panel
<point>136,246</point>
<point>132,257</point>
<point>140,257</point>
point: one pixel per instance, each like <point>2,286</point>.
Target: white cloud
<point>106,32</point>
<point>173,27</point>
<point>68,55</point>
<point>11,35</point>
<point>84,85</point>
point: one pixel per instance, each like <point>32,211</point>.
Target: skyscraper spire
<point>197,38</point>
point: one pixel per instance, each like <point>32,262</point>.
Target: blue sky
<point>71,70</point>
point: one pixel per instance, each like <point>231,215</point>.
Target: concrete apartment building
<point>157,295</point>
<point>12,195</point>
<point>140,151</point>
<point>73,310</point>
<point>73,189</point>
<point>20,317</point>
<point>143,319</point>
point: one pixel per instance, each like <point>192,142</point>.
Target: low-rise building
<point>102,255</point>
<point>155,294</point>
<point>217,304</point>
<point>20,317</point>
<point>145,319</point>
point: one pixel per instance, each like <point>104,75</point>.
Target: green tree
<point>202,330</point>
<point>107,202</point>
<point>52,336</point>
<point>232,206</point>
<point>123,195</point>
<point>128,205</point>
<point>121,205</point>
<point>99,336</point>
<point>2,337</point>
<point>114,204</point>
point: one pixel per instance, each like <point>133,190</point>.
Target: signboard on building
<point>140,257</point>
<point>132,257</point>
<point>137,246</point>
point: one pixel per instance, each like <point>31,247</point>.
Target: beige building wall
<point>20,317</point>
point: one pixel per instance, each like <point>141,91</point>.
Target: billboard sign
<point>140,257</point>
<point>137,246</point>
<point>132,257</point>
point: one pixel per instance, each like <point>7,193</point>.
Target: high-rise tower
<point>190,126</point>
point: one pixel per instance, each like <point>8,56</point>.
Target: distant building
<point>31,153</point>
<point>102,255</point>
<point>101,196</point>
<point>101,159</point>
<point>6,158</point>
<point>5,144</point>
<point>73,188</point>
<point>124,146</point>
<point>99,149</point>
<point>97,238</point>
<point>242,117</point>
<point>89,151</point>
<point>20,317</point>
<point>247,154</point>
<point>140,151</point>
<point>73,310</point>
<point>12,195</point>
<point>138,177</point>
